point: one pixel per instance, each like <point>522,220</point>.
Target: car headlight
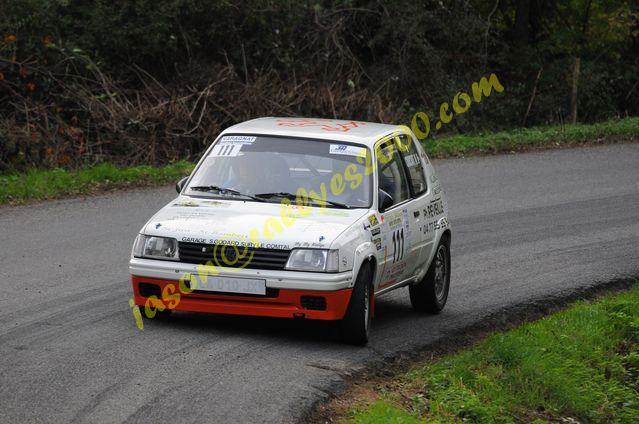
<point>317,260</point>
<point>156,248</point>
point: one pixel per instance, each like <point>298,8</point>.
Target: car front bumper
<point>290,294</point>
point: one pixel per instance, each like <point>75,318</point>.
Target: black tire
<point>155,315</point>
<point>355,326</point>
<point>430,294</point>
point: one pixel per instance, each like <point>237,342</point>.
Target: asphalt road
<point>524,227</point>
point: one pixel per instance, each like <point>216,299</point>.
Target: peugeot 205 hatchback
<point>299,218</point>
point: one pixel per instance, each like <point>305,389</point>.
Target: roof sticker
<point>237,139</point>
<point>324,124</point>
<point>345,149</point>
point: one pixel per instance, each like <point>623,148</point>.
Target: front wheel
<point>430,294</point>
<point>355,326</point>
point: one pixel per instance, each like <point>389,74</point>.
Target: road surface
<point>525,226</point>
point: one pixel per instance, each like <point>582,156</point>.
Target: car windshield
<point>268,168</point>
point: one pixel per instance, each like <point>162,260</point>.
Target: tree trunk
<point>575,89</point>
<point>532,97</point>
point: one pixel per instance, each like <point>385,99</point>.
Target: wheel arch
<point>447,235</point>
<point>364,254</point>
<point>370,260</point>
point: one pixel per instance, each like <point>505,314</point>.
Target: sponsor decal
<point>398,269</point>
<point>237,139</point>
<point>438,224</point>
<point>242,242</point>
<point>193,240</point>
<point>324,124</point>
<point>375,231</point>
<point>347,149</point>
<point>398,245</point>
<point>435,208</point>
<point>378,243</point>
<point>229,150</point>
<point>373,220</point>
<point>395,220</point>
<point>252,244</point>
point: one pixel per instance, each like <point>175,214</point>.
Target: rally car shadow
<point>395,311</point>
<point>390,312</point>
<point>260,327</point>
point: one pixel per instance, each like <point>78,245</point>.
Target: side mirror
<point>180,184</point>
<point>384,200</point>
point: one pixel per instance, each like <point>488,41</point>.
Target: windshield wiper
<point>278,194</point>
<point>331,202</point>
<point>223,190</point>
<point>294,197</point>
<point>214,188</point>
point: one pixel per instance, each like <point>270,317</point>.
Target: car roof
<point>359,132</point>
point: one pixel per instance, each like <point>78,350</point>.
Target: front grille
<point>255,258</point>
<point>315,303</point>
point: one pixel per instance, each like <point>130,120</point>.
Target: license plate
<point>229,284</point>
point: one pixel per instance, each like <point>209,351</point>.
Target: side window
<point>415,167</point>
<point>390,173</point>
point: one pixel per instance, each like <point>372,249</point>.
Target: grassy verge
<point>626,129</point>
<point>581,364</point>
<point>48,184</point>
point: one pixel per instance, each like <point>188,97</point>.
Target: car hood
<point>218,221</point>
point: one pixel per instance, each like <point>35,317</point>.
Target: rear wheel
<point>430,294</point>
<point>355,326</point>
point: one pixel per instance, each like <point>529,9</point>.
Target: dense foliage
<point>146,81</point>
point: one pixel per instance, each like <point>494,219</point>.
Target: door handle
<point>416,214</point>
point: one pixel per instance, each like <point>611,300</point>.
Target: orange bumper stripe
<point>287,304</point>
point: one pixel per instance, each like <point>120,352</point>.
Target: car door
<point>399,242</point>
<point>426,206</point>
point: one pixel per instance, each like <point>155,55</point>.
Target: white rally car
<point>299,218</point>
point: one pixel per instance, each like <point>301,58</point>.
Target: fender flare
<point>365,252</point>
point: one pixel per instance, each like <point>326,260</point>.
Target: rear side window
<point>416,173</point>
